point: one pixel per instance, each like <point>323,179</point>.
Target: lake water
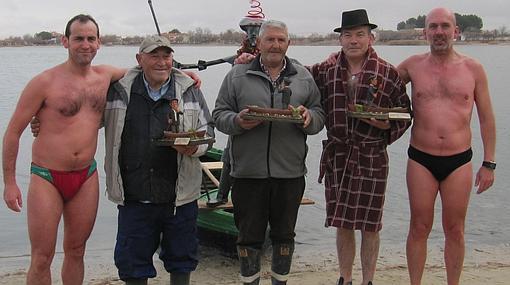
<point>488,216</point>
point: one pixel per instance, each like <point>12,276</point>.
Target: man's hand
<point>307,117</point>
<point>244,58</point>
<point>484,179</point>
<point>246,124</point>
<point>195,77</point>
<point>35,126</point>
<point>332,58</point>
<point>380,124</point>
<point>13,198</point>
<point>187,150</point>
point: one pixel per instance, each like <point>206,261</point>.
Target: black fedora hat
<point>354,18</point>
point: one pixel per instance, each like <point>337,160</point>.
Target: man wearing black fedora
<point>354,162</point>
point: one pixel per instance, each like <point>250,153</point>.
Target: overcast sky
<point>133,17</point>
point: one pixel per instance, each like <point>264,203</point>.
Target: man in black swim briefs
<point>446,86</point>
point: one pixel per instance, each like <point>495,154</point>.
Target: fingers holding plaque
<point>293,115</point>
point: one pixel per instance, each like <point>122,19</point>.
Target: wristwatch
<point>489,164</point>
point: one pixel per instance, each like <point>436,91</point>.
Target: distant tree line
<point>412,23</point>
<point>465,23</point>
<point>470,25</point>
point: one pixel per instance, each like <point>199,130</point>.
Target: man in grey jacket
<point>156,187</point>
<point>267,157</point>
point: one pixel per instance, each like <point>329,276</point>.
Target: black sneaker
<point>341,282</point>
<point>212,203</point>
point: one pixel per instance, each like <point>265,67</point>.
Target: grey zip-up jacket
<point>272,149</point>
<point>195,115</point>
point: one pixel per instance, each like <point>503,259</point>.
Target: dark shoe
<point>341,282</point>
<point>276,282</point>
<point>213,203</point>
<point>136,281</point>
<point>369,283</point>
<point>179,278</point>
<point>250,264</point>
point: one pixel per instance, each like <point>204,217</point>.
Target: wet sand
<point>490,265</point>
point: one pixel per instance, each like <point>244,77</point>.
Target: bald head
<point>441,12</point>
<point>441,30</point>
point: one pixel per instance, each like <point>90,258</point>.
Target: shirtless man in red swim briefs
<point>69,100</point>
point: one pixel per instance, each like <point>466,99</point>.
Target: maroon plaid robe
<point>354,160</point>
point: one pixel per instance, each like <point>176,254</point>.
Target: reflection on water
<point>488,218</point>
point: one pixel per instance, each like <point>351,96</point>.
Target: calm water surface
<point>488,216</point>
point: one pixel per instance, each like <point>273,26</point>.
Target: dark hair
<point>369,29</point>
<point>82,19</point>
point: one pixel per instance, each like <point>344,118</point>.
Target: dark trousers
<point>142,228</point>
<point>259,202</point>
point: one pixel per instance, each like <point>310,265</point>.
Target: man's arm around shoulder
<point>113,72</point>
<point>403,70</point>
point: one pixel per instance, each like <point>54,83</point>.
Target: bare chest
<point>70,98</point>
<point>454,85</point>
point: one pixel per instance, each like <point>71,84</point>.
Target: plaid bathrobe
<point>354,160</point>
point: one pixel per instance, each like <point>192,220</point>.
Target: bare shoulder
<point>406,67</point>
<point>103,68</point>
<point>112,72</point>
<point>472,66</point>
<point>413,60</point>
<point>44,80</point>
<point>37,91</point>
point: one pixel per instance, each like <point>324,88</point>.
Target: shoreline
<point>482,265</point>
<point>298,43</point>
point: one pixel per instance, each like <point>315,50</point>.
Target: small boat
<point>192,134</point>
<point>216,224</point>
<point>294,115</point>
<point>184,138</point>
<point>367,112</point>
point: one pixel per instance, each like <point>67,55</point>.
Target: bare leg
<point>455,191</point>
<point>44,206</point>
<point>423,189</point>
<point>79,217</point>
<point>369,253</point>
<point>346,250</point>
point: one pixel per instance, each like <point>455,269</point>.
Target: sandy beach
<point>489,265</point>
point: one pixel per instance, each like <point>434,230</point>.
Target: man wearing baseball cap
<point>156,187</point>
<point>151,43</point>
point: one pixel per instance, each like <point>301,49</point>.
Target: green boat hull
<point>221,220</point>
<point>215,220</point>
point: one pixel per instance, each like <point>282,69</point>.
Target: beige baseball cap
<point>151,43</point>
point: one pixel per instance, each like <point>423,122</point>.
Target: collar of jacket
<point>138,87</point>
<point>182,80</point>
<point>289,69</point>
